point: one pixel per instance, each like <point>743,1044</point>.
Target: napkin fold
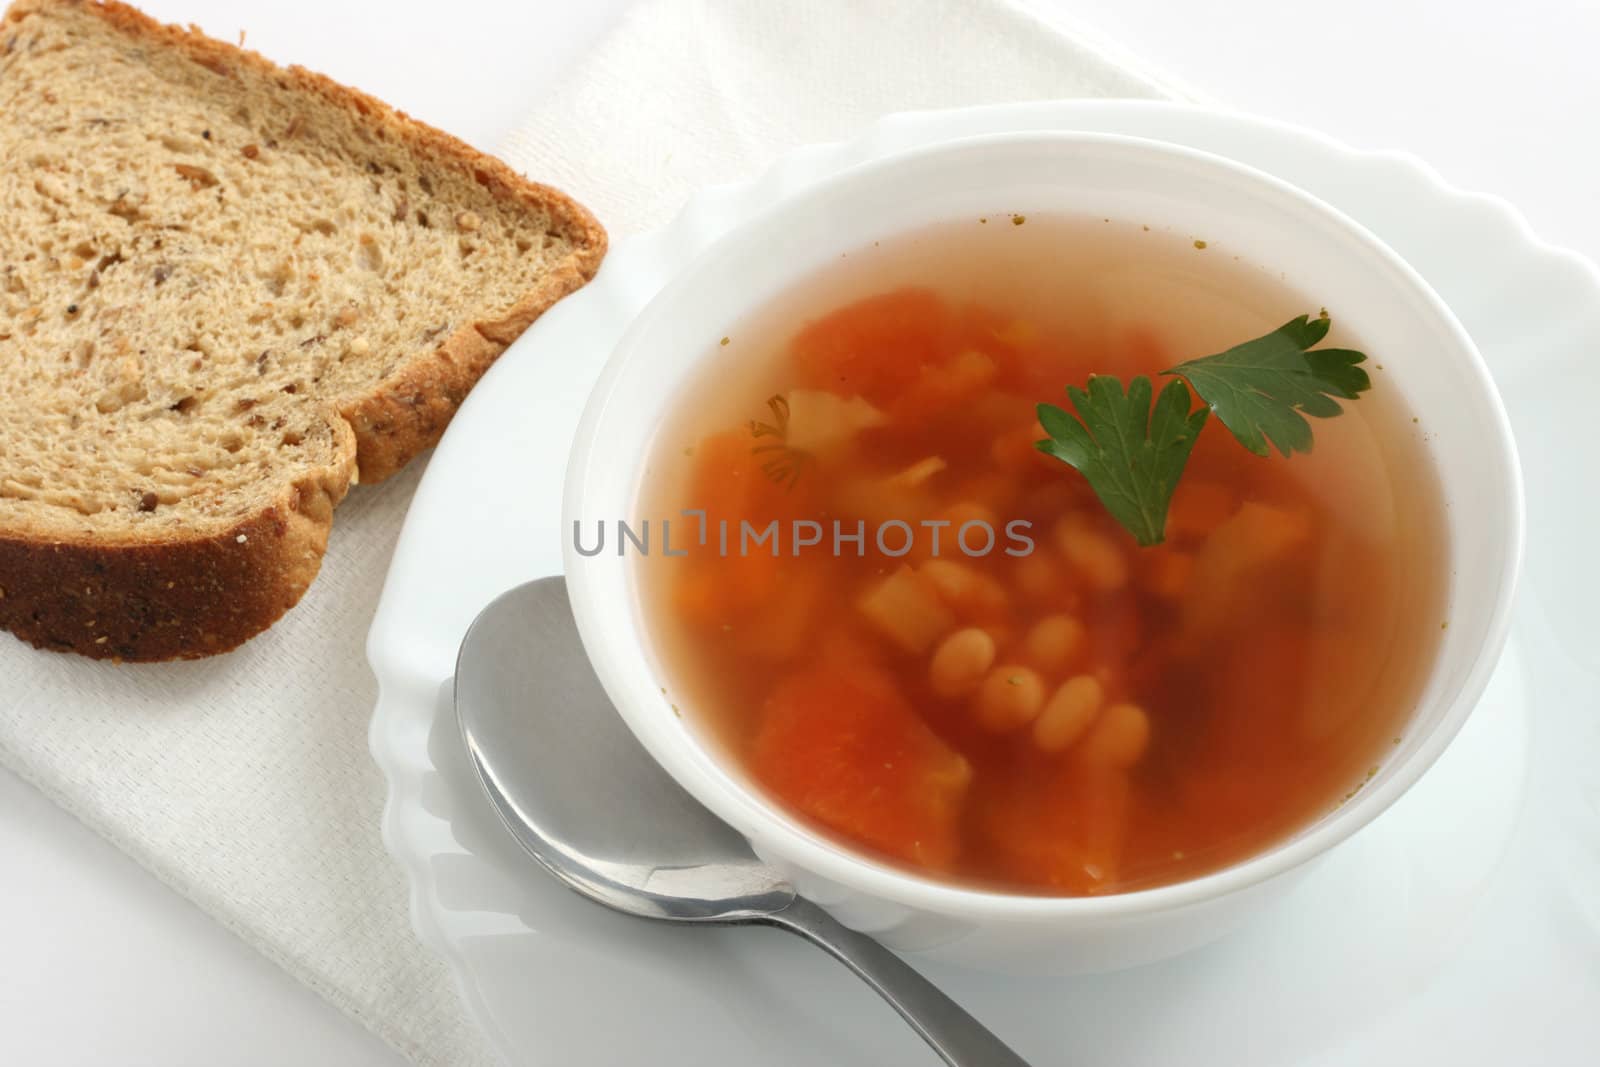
<point>243,781</point>
<point>687,93</point>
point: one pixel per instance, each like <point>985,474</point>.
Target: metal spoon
<point>541,733</point>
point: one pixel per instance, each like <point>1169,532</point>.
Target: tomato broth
<point>1036,703</point>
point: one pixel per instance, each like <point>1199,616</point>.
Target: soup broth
<point>1046,707</point>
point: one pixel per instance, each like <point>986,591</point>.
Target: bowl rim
<point>769,825</point>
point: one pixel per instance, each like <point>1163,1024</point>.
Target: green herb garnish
<point>1131,456</point>
<point>779,462</point>
<point>1262,391</point>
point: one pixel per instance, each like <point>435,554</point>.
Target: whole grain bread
<point>227,291</point>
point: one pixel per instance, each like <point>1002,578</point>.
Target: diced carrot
<point>735,482</point>
<point>996,410</point>
<point>875,347</point>
<point>722,591</point>
<point>1064,834</point>
<point>843,747</point>
<point>1015,450</point>
<point>782,627</point>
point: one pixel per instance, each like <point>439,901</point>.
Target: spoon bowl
<point>580,794</point>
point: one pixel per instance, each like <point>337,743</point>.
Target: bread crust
<point>182,598</point>
<point>186,596</point>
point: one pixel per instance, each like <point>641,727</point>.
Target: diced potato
<point>918,473</point>
<point>905,608</point>
<point>973,594</point>
<point>841,746</point>
<point>875,501</point>
<point>944,386</point>
<point>1009,698</point>
<point>1069,712</point>
<point>963,512</point>
<point>960,662</point>
<point>1018,333</point>
<point>904,496</point>
<point>820,420</point>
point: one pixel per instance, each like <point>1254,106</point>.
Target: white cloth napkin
<point>243,781</point>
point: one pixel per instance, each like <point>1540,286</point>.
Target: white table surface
<point>100,964</point>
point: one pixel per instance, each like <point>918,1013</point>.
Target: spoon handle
<point>958,1038</point>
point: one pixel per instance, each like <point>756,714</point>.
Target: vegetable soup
<point>935,643</point>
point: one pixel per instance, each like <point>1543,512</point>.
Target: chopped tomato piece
<point>842,746</point>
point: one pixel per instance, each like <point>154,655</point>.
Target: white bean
<point>1009,698</point>
<point>1092,554</point>
<point>960,662</point>
<point>1118,738</point>
<point>1052,642</point>
<point>1068,714</point>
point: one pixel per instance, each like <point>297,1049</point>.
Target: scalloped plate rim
<point>414,836</point>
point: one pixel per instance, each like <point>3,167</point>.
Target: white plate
<point>1462,927</point>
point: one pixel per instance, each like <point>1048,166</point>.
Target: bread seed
<point>148,502</point>
<point>468,221</point>
<point>197,177</point>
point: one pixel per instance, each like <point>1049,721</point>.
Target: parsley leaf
<point>1263,389</point>
<point>1131,456</point>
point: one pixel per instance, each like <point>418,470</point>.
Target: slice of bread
<point>226,289</point>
